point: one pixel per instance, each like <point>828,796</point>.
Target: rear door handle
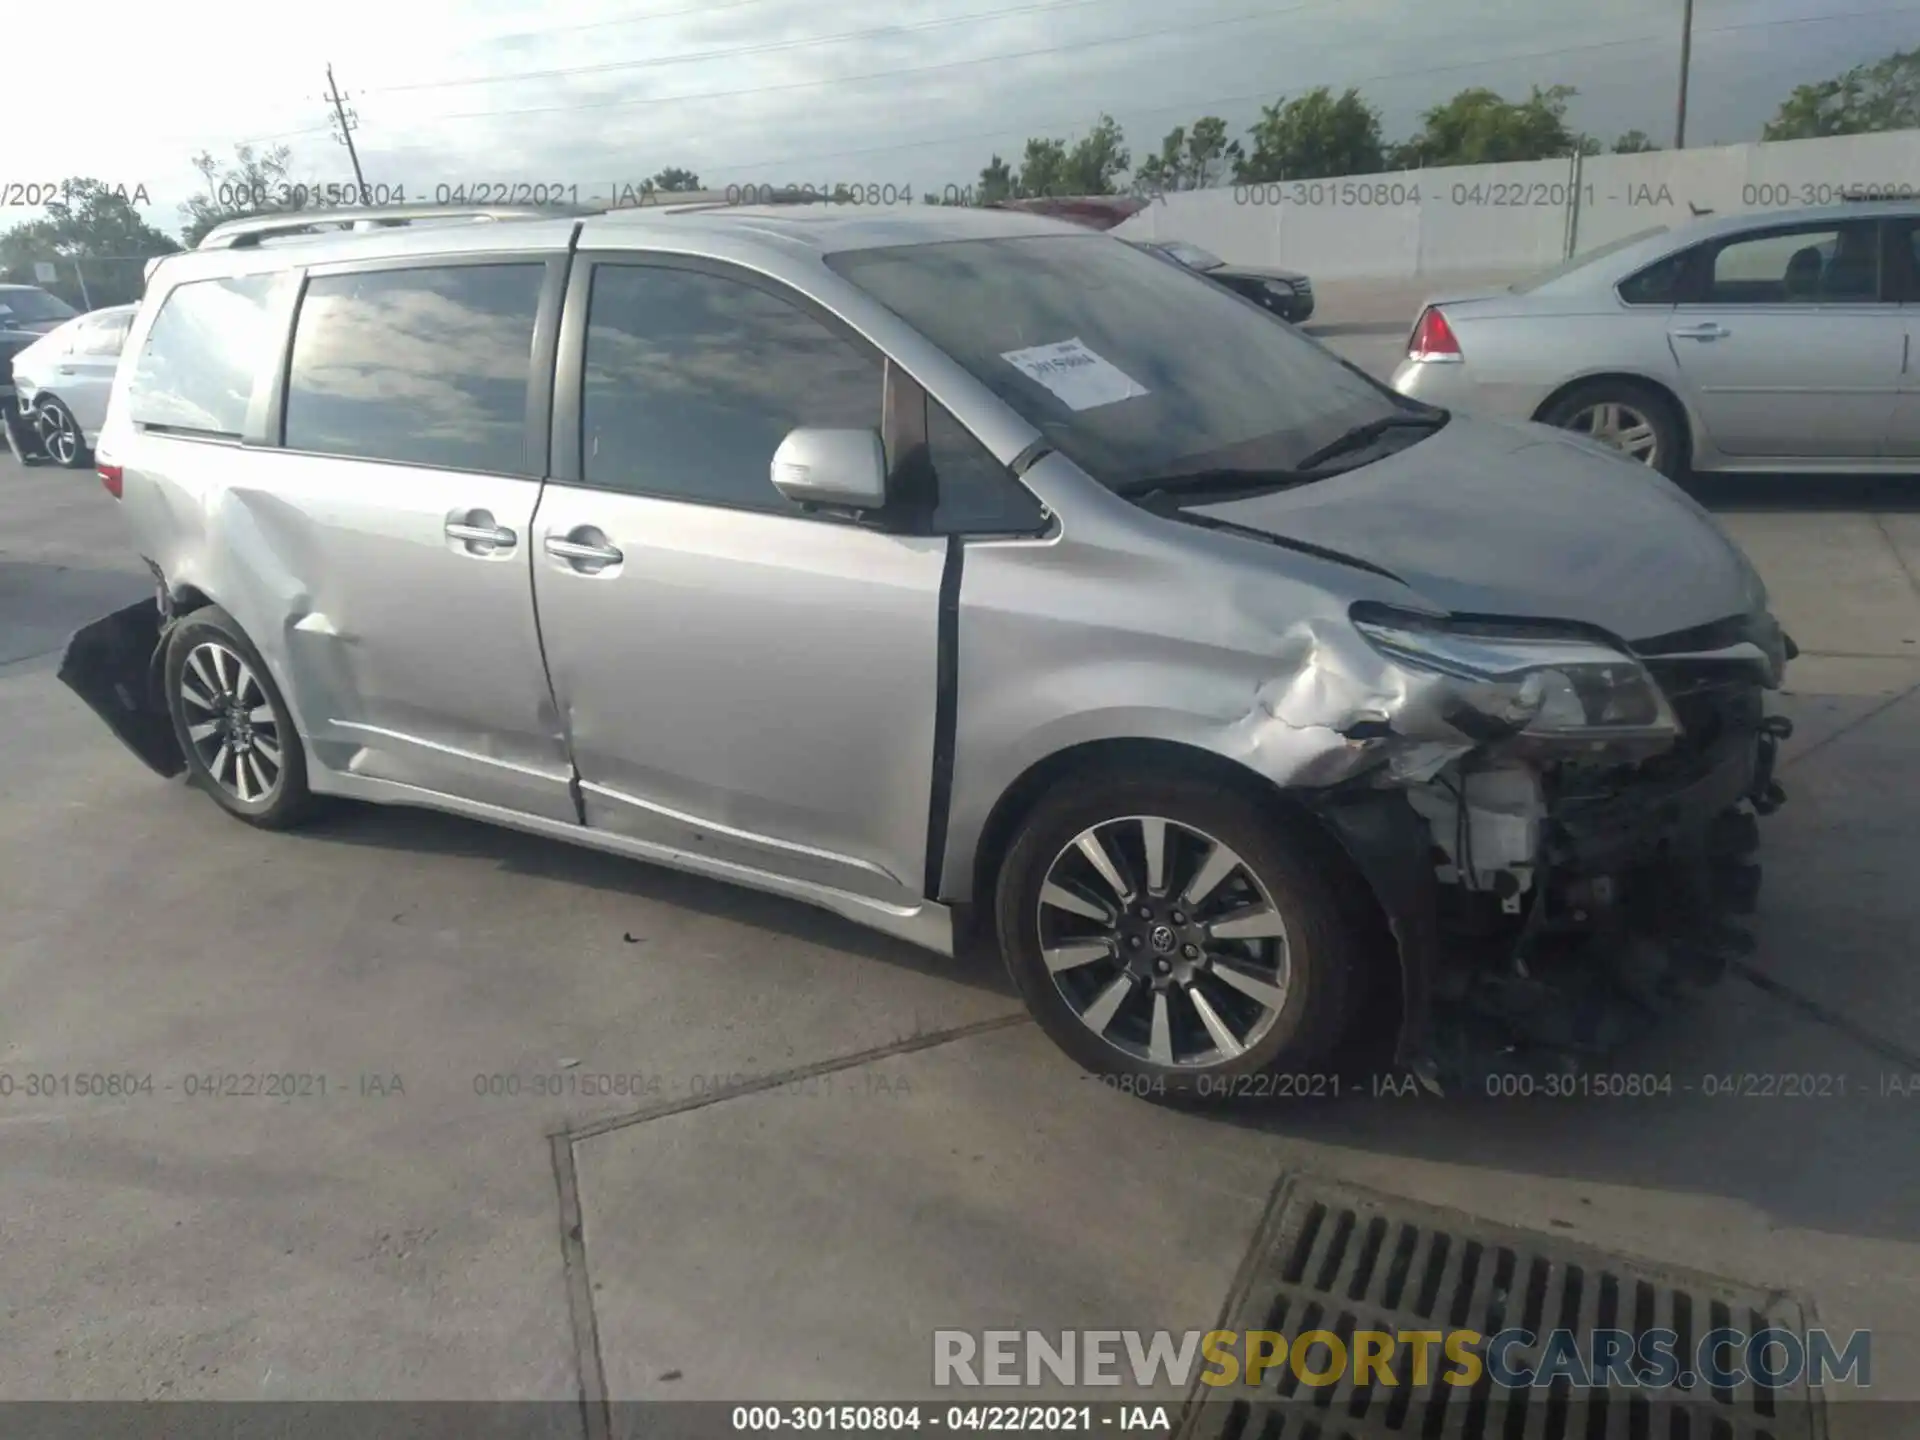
<point>583,554</point>
<point>1707,331</point>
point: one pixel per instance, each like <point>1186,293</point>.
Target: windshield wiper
<point>1361,436</point>
<point>1189,486</point>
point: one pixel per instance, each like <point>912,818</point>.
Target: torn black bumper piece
<point>111,665</point>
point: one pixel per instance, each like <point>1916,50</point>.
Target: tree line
<point>94,233</point>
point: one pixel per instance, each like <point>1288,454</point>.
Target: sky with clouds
<point>601,93</point>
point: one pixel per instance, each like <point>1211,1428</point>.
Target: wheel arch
<point>1692,432</point>
<point>1359,883</point>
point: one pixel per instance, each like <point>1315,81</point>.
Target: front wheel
<point>1173,935</point>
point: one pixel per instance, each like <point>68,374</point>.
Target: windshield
<point>1192,255</point>
<point>34,306</point>
<point>1581,261</point>
<point>1131,367</point>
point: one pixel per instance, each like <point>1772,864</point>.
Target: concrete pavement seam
<point>589,1367</point>
<point>775,1079</point>
<point>1851,726</point>
<point>1880,524</point>
<point>1833,1019</point>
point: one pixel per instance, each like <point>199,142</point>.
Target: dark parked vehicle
<point>1287,293</point>
<point>26,313</point>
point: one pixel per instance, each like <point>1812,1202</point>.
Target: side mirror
<point>841,468</point>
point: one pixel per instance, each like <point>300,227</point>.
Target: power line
<point>728,52</point>
<point>1078,45</point>
<point>1216,101</point>
<point>1129,38</point>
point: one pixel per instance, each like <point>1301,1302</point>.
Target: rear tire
<point>1234,960</point>
<point>1634,418</point>
<point>60,434</point>
<point>234,729</point>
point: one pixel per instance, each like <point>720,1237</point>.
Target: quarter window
<point>693,380</point>
<point>975,493</point>
<point>207,346</point>
<point>425,366</point>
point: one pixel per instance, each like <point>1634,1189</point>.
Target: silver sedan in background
<point>1761,342</point>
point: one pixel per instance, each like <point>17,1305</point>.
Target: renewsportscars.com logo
<point>1511,1359</point>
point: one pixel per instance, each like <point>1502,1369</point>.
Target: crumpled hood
<point>1487,518</point>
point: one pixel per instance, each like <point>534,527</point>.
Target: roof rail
<point>731,198</point>
<point>252,230</point>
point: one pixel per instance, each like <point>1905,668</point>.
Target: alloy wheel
<point>1164,942</point>
<point>1622,426</point>
<point>60,435</point>
<point>231,724</point>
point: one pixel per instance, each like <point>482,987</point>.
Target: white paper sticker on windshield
<point>1073,372</point>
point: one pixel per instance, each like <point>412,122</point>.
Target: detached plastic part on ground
<point>22,436</point>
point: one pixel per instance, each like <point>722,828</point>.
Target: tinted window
<point>34,306</point>
<point>1828,263</point>
<point>424,367</point>
<point>104,336</point>
<point>976,494</point>
<point>1130,366</point>
<point>207,345</point>
<point>692,382</point>
<point>1658,284</point>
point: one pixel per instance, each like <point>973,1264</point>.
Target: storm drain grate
<point>1342,1259</point>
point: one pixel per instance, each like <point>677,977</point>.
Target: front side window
<point>423,366</point>
<point>207,346</point>
<point>693,380</point>
<point>1133,368</point>
<point>1810,266</point>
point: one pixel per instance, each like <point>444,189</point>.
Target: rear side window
<point>1809,266</point>
<point>207,345</point>
<point>425,366</point>
<point>103,337</point>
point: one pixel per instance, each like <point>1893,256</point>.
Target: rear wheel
<point>1634,419</point>
<point>1173,936</point>
<point>232,725</point>
<point>60,434</point>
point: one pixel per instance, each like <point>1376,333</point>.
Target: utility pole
<point>347,120</point>
<point>1686,64</point>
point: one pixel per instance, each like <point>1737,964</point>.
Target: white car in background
<point>63,380</point>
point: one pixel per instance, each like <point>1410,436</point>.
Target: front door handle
<point>480,535</point>
<point>585,549</point>
<point>1707,331</point>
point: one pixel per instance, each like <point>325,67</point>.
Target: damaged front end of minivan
<point>1557,827</point>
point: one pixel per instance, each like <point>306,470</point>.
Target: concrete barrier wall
<point>1481,218</point>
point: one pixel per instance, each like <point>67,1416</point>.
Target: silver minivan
<point>963,572</point>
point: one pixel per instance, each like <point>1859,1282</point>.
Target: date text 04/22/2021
<point>960,1419</point>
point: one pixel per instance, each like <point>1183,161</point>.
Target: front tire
<point>1172,936</point>
<point>234,729</point>
<point>1637,420</point>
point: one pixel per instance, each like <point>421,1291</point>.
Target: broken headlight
<point>1530,681</point>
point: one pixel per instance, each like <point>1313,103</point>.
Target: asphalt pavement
<point>565,1124</point>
